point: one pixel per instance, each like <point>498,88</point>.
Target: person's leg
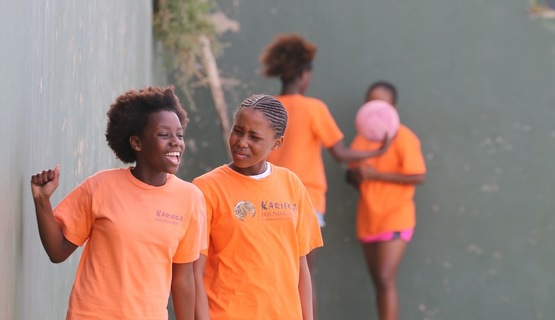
<point>383,259</point>
<point>311,260</point>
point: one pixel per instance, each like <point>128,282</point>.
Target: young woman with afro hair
<point>311,126</point>
<point>141,226</point>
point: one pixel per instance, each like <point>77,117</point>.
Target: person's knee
<point>385,279</point>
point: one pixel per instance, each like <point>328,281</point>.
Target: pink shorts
<point>404,235</point>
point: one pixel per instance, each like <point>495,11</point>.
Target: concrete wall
<point>476,84</point>
<point>476,81</point>
<point>62,64</point>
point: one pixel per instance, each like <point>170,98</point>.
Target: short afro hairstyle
<point>287,56</point>
<point>129,115</point>
<point>385,85</point>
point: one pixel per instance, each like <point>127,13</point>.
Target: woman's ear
<point>278,143</point>
<point>304,80</point>
<point>135,143</point>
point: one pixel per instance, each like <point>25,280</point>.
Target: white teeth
<point>173,154</point>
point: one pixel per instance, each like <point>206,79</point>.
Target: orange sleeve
<point>412,160</point>
<point>74,214</point>
<point>308,229</point>
<point>324,126</point>
<point>360,143</point>
<point>208,209</point>
<point>195,238</point>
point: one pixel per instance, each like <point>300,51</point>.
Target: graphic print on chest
<point>166,217</point>
<point>268,211</point>
<point>244,209</point>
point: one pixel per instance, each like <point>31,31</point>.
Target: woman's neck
<point>291,88</point>
<point>157,179</point>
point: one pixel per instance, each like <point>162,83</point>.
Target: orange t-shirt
<point>386,206</point>
<point>133,233</point>
<point>310,126</point>
<point>258,230</point>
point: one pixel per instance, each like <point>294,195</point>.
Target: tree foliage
<point>179,24</point>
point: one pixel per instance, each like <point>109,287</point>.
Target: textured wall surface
<point>476,83</point>
<point>62,64</point>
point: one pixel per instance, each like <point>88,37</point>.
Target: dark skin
<point>162,134</point>
<point>357,175</point>
<point>339,152</point>
<point>251,140</point>
<point>158,151</point>
<point>56,245</point>
<point>383,258</point>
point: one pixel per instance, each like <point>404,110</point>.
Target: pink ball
<point>376,118</point>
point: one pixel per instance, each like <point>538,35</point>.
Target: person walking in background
<point>261,226</point>
<point>142,227</point>
<point>311,126</point>
<point>386,209</point>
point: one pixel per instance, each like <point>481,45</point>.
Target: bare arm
<point>401,178</point>
<point>57,247</point>
<point>183,291</point>
<point>368,173</point>
<point>305,289</point>
<point>343,154</point>
<point>201,302</point>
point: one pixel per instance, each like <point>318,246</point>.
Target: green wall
<point>476,81</point>
<point>62,64</point>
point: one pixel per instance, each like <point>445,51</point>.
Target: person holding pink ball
<point>386,209</point>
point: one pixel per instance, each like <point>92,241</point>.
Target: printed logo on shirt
<point>244,209</point>
<point>166,217</point>
<point>278,210</point>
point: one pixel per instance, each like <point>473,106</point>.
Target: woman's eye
<point>180,136</point>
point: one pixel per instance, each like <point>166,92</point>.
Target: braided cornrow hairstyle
<point>271,108</point>
<point>287,56</point>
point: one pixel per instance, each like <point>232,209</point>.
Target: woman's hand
<point>44,183</point>
<point>368,173</point>
<point>386,142</point>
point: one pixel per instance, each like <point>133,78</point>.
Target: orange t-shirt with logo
<point>132,232</point>
<point>386,206</point>
<point>310,126</point>
<point>258,230</point>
